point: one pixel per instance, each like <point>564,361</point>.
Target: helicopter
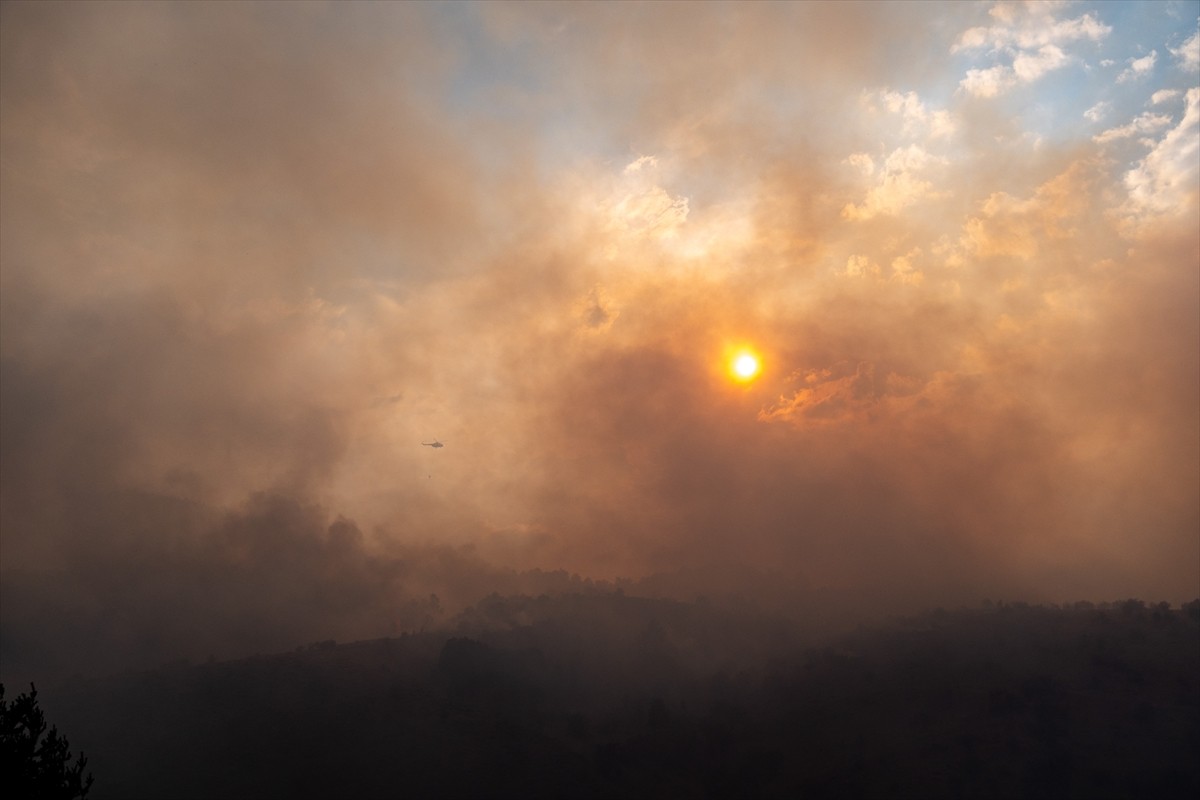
<point>435,444</point>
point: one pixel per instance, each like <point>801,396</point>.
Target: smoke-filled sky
<point>253,255</point>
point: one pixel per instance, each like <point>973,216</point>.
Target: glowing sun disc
<point>745,366</point>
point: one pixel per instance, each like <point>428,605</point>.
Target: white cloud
<point>1032,29</point>
<point>1164,182</point>
<point>1139,67</point>
<point>1028,41</point>
<point>907,159</point>
<point>638,164</point>
<point>1028,67</point>
<point>918,119</point>
<point>988,82</point>
<point>1163,95</point>
<point>1096,112</point>
<point>1143,123</point>
<point>1188,54</point>
<point>971,39</point>
<point>1085,28</point>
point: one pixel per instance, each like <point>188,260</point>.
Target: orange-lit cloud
<point>253,255</point>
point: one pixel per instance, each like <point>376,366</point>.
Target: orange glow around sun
<point>744,366</point>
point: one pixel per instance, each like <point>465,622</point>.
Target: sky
<point>253,255</point>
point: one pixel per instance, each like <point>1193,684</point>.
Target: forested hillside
<point>607,695</point>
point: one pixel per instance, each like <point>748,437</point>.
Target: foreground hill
<point>605,695</point>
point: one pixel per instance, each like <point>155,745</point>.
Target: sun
<point>745,366</point>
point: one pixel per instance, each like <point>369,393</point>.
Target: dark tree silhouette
<point>34,763</point>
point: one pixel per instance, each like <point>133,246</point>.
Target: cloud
<point>918,119</point>
<point>1028,67</point>
<point>1028,40</point>
<point>1098,111</point>
<point>1143,123</point>
<point>899,184</point>
<point>990,82</point>
<point>641,207</point>
<point>1011,226</point>
<point>904,271</point>
<point>863,162</point>
<point>1163,96</point>
<point>860,266</point>
<point>1187,55</point>
<point>1164,181</point>
<point>1138,67</point>
<point>253,255</point>
<point>1030,26</point>
<point>596,310</point>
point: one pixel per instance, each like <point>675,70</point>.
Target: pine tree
<point>35,764</point>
